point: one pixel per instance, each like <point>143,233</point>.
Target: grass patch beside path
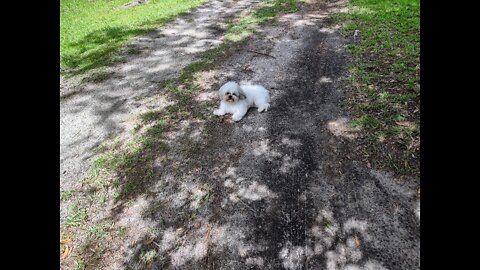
<point>91,31</point>
<point>385,81</point>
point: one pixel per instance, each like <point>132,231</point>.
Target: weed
<point>149,256</point>
<point>76,216</point>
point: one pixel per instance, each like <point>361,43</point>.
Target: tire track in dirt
<point>297,199</point>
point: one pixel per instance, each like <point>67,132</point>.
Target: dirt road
<point>94,111</point>
<point>278,190</point>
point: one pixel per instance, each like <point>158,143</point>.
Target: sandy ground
<point>283,191</point>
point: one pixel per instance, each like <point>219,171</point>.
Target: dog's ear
<point>220,92</point>
<point>241,93</point>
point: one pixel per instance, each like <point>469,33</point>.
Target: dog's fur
<point>237,99</point>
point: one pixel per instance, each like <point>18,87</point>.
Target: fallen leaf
<point>66,252</point>
<point>65,241</point>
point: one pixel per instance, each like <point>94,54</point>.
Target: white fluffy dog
<point>237,99</point>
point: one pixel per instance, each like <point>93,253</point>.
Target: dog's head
<point>231,92</point>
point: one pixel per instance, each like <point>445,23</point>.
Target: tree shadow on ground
<point>204,210</point>
<point>200,208</point>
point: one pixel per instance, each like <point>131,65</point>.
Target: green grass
<point>385,79</point>
<point>97,232</point>
<point>148,257</point>
<point>132,162</point>
<point>91,31</point>
<point>76,216</point>
<point>79,265</point>
<point>66,195</point>
<point>122,232</point>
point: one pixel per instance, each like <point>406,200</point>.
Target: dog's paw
<point>263,108</point>
<point>236,118</point>
<point>218,112</point>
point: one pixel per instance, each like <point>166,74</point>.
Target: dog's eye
<point>228,93</point>
<point>233,94</point>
